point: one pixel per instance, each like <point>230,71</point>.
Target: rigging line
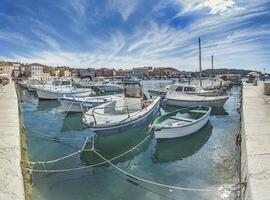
<point>151,182</point>
<point>61,158</point>
<point>89,166</point>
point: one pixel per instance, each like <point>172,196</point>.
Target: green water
<point>204,160</point>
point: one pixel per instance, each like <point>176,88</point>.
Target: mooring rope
<point>152,182</point>
<point>83,167</point>
<point>53,161</point>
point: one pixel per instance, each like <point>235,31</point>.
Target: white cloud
<point>79,7</point>
<point>15,38</point>
<point>124,7</point>
<point>214,6</point>
<point>46,39</point>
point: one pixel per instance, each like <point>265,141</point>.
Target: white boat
<point>32,84</point>
<point>61,88</point>
<point>80,104</point>
<point>187,100</point>
<point>182,122</point>
<point>184,89</point>
<point>120,115</point>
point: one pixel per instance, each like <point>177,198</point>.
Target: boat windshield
<point>189,89</point>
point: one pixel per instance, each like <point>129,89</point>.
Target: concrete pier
<point>11,179</point>
<point>256,142</point>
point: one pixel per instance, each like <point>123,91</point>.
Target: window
<point>179,89</point>
<point>189,89</point>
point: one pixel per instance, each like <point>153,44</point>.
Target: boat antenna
<point>212,69</point>
<point>200,62</point>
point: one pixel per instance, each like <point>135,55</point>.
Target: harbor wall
<point>11,179</point>
<point>255,143</point>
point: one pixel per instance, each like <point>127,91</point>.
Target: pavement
<point>11,179</point>
<point>256,124</point>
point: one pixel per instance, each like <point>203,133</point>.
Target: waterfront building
<point>35,72</point>
<point>105,72</point>
<point>65,72</point>
<point>55,72</point>
<point>8,67</point>
<point>143,70</point>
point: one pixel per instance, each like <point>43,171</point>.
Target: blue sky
<point>128,33</point>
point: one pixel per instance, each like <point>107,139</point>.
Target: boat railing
<point>125,108</point>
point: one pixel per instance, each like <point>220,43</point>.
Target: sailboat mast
<point>200,61</point>
<point>212,69</point>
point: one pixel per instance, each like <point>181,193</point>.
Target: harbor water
<point>207,159</point>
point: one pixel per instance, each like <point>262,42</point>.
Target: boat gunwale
<point>116,124</point>
<point>185,125</point>
<point>71,99</point>
<point>208,98</point>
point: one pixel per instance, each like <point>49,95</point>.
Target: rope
<point>53,161</point>
<point>151,182</point>
<point>85,167</point>
<point>58,159</point>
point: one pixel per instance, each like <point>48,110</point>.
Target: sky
<point>131,33</point>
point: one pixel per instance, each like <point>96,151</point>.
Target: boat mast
<point>212,69</point>
<point>200,61</point>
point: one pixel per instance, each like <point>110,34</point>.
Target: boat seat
<point>198,111</point>
<point>183,119</point>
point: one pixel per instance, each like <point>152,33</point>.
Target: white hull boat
<point>80,104</point>
<point>184,89</point>
<point>117,116</point>
<point>188,100</point>
<point>55,94</point>
<point>182,122</point>
<point>60,88</point>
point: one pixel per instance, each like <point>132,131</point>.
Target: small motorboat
<point>184,89</point>
<point>123,114</point>
<point>80,104</point>
<point>61,88</point>
<point>187,100</point>
<point>182,122</point>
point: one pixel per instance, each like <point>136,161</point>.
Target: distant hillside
<point>243,72</point>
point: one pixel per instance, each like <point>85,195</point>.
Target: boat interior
<point>183,117</point>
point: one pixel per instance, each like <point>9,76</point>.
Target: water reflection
<point>47,105</point>
<point>180,148</point>
<point>73,122</point>
<point>219,111</point>
<point>116,144</point>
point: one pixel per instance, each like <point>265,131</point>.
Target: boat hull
<point>189,103</point>
<point>51,95</point>
<point>176,132</point>
<point>75,106</point>
<point>147,118</point>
